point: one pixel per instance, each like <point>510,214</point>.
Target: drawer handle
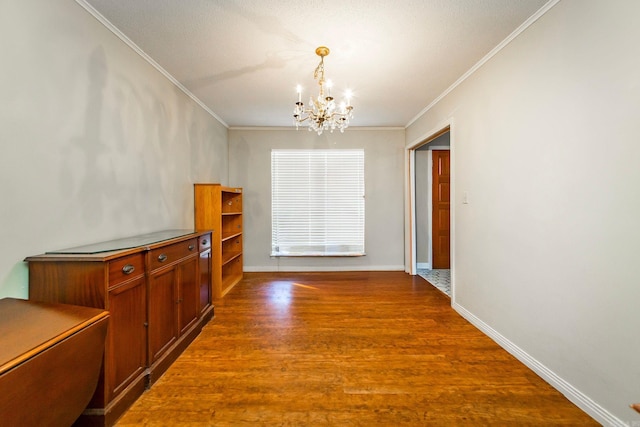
<point>204,242</point>
<point>162,257</point>
<point>191,247</point>
<point>128,269</point>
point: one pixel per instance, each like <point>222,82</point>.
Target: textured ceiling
<point>244,58</point>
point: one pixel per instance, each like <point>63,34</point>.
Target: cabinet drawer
<point>125,268</point>
<point>204,242</point>
<point>169,254</point>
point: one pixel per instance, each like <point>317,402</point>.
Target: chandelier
<point>322,113</point>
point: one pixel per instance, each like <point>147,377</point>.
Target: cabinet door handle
<point>191,247</point>
<point>128,269</point>
<point>162,257</point>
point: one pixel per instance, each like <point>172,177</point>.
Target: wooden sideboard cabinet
<point>157,289</point>
<point>219,208</point>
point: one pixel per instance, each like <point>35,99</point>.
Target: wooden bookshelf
<point>219,208</point>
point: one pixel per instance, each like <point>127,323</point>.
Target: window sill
<point>315,255</point>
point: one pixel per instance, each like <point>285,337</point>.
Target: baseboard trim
<point>581,400</point>
<point>421,265</point>
<point>271,268</point>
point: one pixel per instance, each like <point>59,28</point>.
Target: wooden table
<point>50,359</point>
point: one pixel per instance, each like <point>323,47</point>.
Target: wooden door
<point>188,294</point>
<point>162,312</point>
<point>126,350</point>
<point>441,209</point>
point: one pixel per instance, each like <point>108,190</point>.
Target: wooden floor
<point>346,349</point>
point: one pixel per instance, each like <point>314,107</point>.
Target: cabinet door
<point>162,312</point>
<point>188,293</point>
<point>205,280</point>
<point>125,351</point>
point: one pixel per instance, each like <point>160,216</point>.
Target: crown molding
<point>104,21</point>
<point>302,129</point>
<point>186,91</point>
<point>533,18</point>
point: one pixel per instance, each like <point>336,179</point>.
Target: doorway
<point>430,177</point>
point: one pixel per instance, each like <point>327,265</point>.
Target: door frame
<point>410,199</point>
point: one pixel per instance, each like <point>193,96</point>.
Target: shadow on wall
<point>87,153</point>
<point>121,163</point>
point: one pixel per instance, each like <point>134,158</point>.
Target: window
<point>317,202</point>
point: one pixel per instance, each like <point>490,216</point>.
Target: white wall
<point>546,139</point>
<point>95,143</point>
<point>250,167</point>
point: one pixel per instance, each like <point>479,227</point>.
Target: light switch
<point>465,198</point>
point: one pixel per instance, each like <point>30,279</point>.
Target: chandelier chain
<point>319,72</point>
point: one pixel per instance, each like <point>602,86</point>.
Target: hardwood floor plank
<point>347,349</point>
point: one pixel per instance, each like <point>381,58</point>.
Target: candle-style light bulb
<point>299,90</point>
<point>348,94</point>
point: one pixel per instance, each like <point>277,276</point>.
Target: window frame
<point>325,174</point>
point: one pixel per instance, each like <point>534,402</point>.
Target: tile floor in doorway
<point>441,279</point>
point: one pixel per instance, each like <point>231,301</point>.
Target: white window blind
<point>317,202</point>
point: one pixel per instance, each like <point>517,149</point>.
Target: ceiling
<point>244,58</point>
